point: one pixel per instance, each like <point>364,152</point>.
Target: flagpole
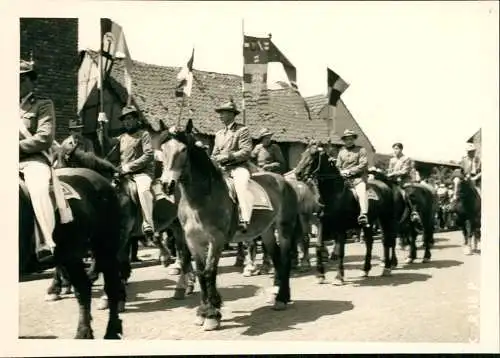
<point>243,111</point>
<point>101,119</point>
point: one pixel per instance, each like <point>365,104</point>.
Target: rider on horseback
<point>352,163</point>
<point>137,160</point>
<point>471,166</point>
<point>36,137</point>
<point>232,150</point>
<point>268,155</point>
<point>400,171</point>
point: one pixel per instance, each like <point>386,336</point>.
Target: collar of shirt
<point>25,99</point>
<point>230,126</point>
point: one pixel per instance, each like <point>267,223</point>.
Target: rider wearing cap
<point>268,155</point>
<point>36,138</point>
<point>352,162</point>
<point>137,159</point>
<point>232,150</point>
<point>400,167</point>
<point>77,140</point>
<point>471,166</point>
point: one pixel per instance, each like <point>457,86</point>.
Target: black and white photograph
<point>254,172</point>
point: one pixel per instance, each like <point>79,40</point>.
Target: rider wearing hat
<point>471,166</point>
<point>36,138</point>
<point>232,150</point>
<point>77,140</point>
<point>352,162</point>
<point>268,155</point>
<point>137,160</point>
<point>400,168</point>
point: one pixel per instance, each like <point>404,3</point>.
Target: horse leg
<point>320,267</point>
<point>185,282</point>
<point>92,271</point>
<point>389,241</point>
<point>411,233</point>
<point>367,266</point>
<point>283,256</point>
<point>267,266</point>
<point>201,311</point>
<point>240,255</point>
<point>214,300</point>
<point>82,285</point>
<point>164,252</point>
<point>55,288</point>
<point>251,252</point>
<point>340,244</point>
<point>428,236</point>
<point>115,292</point>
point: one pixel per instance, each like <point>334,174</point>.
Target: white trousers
<point>241,177</point>
<point>360,189</point>
<point>37,179</point>
<point>143,182</point>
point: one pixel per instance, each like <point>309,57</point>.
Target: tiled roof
<point>283,113</point>
<point>343,117</point>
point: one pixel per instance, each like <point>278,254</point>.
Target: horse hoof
<point>103,304</point>
<point>338,281</point>
<point>426,260</point>
<point>409,260</point>
<point>467,250</point>
<point>321,280</point>
<point>51,297</point>
<point>67,291</point>
<point>84,333</point>
<point>179,294</point>
<point>199,320</point>
<point>211,324</point>
<point>239,263</point>
<point>174,271</point>
<point>386,272</point>
<point>279,306</point>
<point>189,290</point>
<point>250,271</point>
<point>364,274</point>
<point>164,262</point>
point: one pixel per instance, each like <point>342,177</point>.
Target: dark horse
<point>96,228</point>
<point>424,202</point>
<point>341,210</point>
<point>209,216</point>
<point>466,203</point>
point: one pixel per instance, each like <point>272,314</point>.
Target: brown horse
<point>341,210</point>
<point>466,203</point>
<point>96,228</point>
<point>208,212</point>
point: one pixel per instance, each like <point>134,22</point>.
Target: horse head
<point>463,187</point>
<point>315,163</point>
<point>182,156</point>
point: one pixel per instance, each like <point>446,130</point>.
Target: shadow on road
<point>439,264</point>
<point>264,319</point>
<point>37,337</point>
<point>135,288</point>
<point>231,293</point>
<point>395,279</point>
<point>446,246</point>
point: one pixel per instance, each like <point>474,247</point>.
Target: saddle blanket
<point>261,199</point>
<point>68,191</point>
<point>370,194</point>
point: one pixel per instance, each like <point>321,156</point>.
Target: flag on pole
<point>255,51</point>
<point>185,79</point>
<point>275,55</point>
<point>336,86</point>
<point>114,45</point>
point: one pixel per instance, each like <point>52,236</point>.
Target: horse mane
<point>198,156</point>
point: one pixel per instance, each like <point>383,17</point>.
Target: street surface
<point>434,302</point>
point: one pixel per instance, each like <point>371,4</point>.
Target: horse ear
<point>189,126</point>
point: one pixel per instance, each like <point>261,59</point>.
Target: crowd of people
<point>132,153</point>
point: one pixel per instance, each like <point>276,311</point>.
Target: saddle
<point>261,200</point>
<point>68,191</point>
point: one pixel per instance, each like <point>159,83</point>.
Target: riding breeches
<point>360,189</point>
<point>143,182</point>
<point>241,177</point>
<point>37,179</point>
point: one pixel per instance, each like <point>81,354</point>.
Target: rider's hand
<point>345,173</point>
<point>125,169</point>
<point>222,158</point>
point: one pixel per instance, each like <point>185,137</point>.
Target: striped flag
<point>185,79</point>
<point>114,45</point>
<point>336,86</point>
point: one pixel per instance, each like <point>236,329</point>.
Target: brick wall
<point>54,43</point>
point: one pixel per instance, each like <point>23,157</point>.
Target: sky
<point>424,74</point>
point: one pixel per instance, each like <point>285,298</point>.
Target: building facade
<point>53,46</point>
